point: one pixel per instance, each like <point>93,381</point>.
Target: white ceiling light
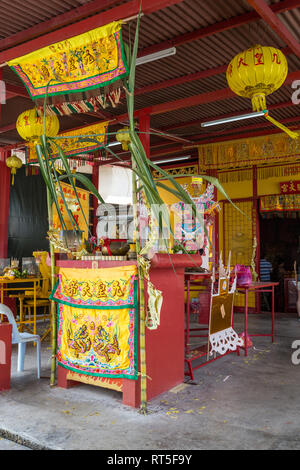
<point>156,56</point>
<point>113,144</point>
<point>175,159</point>
<point>233,118</point>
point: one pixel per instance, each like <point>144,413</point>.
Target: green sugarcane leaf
<point>70,215</point>
<point>86,182</point>
<point>64,159</point>
<point>49,183</point>
<point>217,184</point>
<point>134,54</point>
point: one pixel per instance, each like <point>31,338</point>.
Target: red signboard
<point>290,187</point>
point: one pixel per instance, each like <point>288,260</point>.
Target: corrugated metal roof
<point>18,15</point>
<point>205,53</point>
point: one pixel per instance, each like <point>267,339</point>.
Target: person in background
<point>278,274</point>
<point>265,269</point>
<point>265,276</point>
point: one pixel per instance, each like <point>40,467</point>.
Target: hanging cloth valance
<point>84,62</point>
<point>280,205</point>
<point>239,153</point>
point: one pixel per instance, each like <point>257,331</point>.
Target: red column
<point>4,204</point>
<point>5,355</point>
<point>144,127</point>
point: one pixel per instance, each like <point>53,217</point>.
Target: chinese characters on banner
<point>85,62</point>
<point>73,205</point>
<point>290,187</point>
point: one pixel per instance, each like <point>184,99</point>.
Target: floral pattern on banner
<point>100,343</point>
<point>78,64</point>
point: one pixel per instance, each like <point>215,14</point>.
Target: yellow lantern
<point>30,126</point>
<point>13,163</point>
<point>256,73</point>
<point>123,136</point>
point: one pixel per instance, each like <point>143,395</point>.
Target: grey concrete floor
<point>234,403</point>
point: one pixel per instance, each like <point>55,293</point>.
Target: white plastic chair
<point>21,339</point>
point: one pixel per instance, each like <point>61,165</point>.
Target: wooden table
<point>35,281</point>
<point>258,287</point>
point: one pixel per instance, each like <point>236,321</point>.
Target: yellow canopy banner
<point>84,62</point>
<point>70,143</point>
<point>273,148</point>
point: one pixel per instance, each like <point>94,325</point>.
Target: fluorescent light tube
<point>233,118</point>
<point>175,159</point>
<point>112,144</point>
<point>156,56</point>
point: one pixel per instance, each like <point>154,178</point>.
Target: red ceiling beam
<point>233,22</point>
<point>124,11</point>
<point>179,80</point>
<point>7,128</point>
<point>237,130</point>
<point>59,21</point>
<point>189,78</point>
<point>204,98</point>
<point>121,12</point>
<point>198,122</point>
<point>15,90</point>
<point>268,15</point>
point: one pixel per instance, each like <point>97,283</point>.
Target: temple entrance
<point>279,241</point>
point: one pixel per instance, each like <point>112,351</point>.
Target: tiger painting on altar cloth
<point>98,321</point>
<point>104,345</point>
<point>80,342</point>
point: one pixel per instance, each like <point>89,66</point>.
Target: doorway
<point>279,239</point>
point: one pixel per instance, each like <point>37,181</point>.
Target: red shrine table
<point>258,287</point>
<point>164,346</point>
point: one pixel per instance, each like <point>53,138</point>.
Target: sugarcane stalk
<point>53,305</point>
<point>142,319</point>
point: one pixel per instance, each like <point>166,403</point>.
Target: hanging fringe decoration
<point>235,176</point>
<point>89,105</point>
<point>277,171</point>
<point>263,173</point>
